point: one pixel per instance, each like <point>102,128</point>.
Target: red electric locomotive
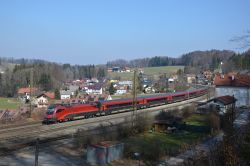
<point>59,113</point>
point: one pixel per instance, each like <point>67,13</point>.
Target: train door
<point>170,99</point>
<point>60,113</point>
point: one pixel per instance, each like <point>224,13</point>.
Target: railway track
<point>17,137</point>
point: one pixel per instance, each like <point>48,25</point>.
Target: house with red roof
<point>222,104</point>
<point>233,84</point>
<point>24,93</point>
<point>42,100</point>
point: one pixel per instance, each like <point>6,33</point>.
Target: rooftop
<point>226,100</point>
<point>237,80</point>
<point>26,90</point>
<point>50,95</point>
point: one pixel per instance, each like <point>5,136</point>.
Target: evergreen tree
<point>112,90</point>
<point>57,94</point>
<point>45,82</point>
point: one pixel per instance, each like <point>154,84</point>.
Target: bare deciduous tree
<point>243,40</point>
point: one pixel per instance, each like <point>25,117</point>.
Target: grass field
<point>162,70</point>
<point>170,142</point>
<point>197,120</point>
<point>9,103</point>
<point>167,142</point>
<point>148,71</point>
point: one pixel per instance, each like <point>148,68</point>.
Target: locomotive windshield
<point>51,109</point>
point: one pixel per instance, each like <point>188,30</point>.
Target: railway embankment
<point>23,136</point>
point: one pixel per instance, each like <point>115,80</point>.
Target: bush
<point>187,111</point>
<point>164,115</point>
<point>123,131</point>
<point>152,151</point>
<point>142,124</point>
<point>214,121</point>
<point>83,138</point>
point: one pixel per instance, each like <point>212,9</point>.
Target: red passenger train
<point>60,113</point>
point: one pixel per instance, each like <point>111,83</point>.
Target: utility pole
<point>166,82</point>
<point>31,85</point>
<point>134,98</point>
<point>208,93</point>
<point>37,152</point>
<point>241,66</point>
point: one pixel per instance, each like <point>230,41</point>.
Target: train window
<point>60,110</point>
<point>52,106</point>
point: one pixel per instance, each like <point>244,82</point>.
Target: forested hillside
<point>45,75</point>
<point>205,59</point>
<point>146,62</point>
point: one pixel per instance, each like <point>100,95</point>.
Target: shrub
<point>123,131</point>
<point>152,151</point>
<point>142,124</point>
<point>187,111</point>
<point>214,121</point>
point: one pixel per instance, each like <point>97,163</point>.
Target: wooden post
<point>134,99</point>
<point>37,152</point>
<point>31,85</point>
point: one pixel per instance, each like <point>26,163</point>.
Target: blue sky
<point>96,31</point>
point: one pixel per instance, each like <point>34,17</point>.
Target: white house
<point>191,78</point>
<point>233,85</point>
<point>129,83</point>
<point>42,100</point>
<point>65,94</point>
<point>121,91</point>
<point>94,89</point>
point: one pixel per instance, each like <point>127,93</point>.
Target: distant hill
<point>205,59</point>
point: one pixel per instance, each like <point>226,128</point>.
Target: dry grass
<point>9,103</point>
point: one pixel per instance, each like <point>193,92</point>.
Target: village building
<point>109,69</point>
<point>225,103</point>
<point>73,89</point>
<point>167,125</point>
<point>127,82</point>
<point>246,72</point>
<point>42,100</point>
<point>232,84</point>
<point>86,98</point>
<point>65,94</point>
<point>221,104</point>
<point>116,69</point>
<point>69,92</point>
<point>127,69</point>
<point>191,78</point>
<point>104,152</point>
<point>24,93</point>
<point>77,82</point>
<point>121,90</point>
<point>149,89</point>
<point>94,89</point>
<point>208,74</point>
